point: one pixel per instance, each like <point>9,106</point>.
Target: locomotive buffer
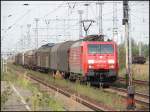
<point>130,88</point>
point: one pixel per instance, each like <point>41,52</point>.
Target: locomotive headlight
<point>90,61</point>
<point>90,66</point>
<point>111,61</point>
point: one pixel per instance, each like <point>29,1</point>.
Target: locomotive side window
<point>100,49</point>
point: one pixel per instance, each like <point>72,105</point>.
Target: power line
<point>36,32</point>
<point>20,18</point>
<point>136,17</point>
<point>36,4</point>
<point>58,7</point>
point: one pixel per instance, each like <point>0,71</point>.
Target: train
<point>138,60</point>
<point>91,59</point>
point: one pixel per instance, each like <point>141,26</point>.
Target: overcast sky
<point>14,14</point>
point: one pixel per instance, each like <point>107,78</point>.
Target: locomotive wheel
<point>104,85</point>
<point>83,82</point>
<point>72,79</point>
<point>66,75</point>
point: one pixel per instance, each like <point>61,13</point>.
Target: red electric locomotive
<point>94,61</point>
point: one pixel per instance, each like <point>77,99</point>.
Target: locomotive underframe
<point>101,76</point>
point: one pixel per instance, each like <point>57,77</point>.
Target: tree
<point>135,52</point>
<point>121,56</point>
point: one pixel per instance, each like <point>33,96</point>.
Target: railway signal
<point>130,88</point>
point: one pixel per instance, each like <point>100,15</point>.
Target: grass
<point>5,94</point>
<point>99,95</point>
<point>38,98</point>
<point>139,71</point>
<point>142,89</point>
<point>138,88</point>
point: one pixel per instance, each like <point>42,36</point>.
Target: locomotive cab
<point>102,62</point>
<point>94,60</point>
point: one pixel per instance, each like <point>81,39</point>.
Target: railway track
<point>79,98</point>
<point>134,81</point>
<point>140,98</point>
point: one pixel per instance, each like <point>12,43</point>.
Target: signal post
<point>130,87</point>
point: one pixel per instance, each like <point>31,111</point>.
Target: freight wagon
<point>43,57</point>
<point>29,59</point>
<point>20,58</point>
<point>138,60</point>
<point>60,57</point>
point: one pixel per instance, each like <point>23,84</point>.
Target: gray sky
<point>15,14</point>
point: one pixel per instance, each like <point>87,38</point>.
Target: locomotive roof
<point>43,49</point>
<point>91,38</point>
<point>47,45</point>
<point>94,38</point>
<point>56,46</point>
<point>30,52</point>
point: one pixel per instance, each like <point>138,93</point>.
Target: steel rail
<point>135,81</point>
<point>92,105</point>
<point>137,94</point>
<point>80,99</point>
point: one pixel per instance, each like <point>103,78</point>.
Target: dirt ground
<point>15,102</point>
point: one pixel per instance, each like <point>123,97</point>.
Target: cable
<point>93,12</point>
<point>35,4</point>
<point>137,17</point>
<point>10,27</point>
<point>58,7</point>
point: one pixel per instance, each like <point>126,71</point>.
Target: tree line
<point>135,52</point>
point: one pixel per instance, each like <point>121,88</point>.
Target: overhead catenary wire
<point>106,14</point>
<point>14,24</point>
<point>79,4</point>
<point>20,18</point>
<point>51,12</point>
<point>36,4</point>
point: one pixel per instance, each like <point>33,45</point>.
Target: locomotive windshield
<point>100,49</point>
